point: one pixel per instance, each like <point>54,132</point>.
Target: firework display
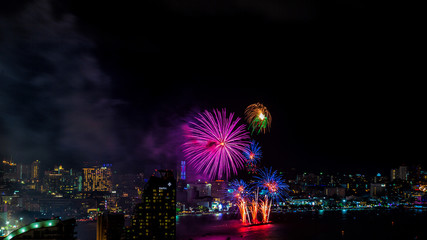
<point>269,184</point>
<point>253,155</point>
<point>265,209</point>
<point>273,188</point>
<point>215,144</point>
<point>240,193</point>
<point>254,207</point>
<point>272,184</point>
<point>258,117</point>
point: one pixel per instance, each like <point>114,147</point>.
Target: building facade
<point>98,178</point>
<point>35,169</point>
<point>154,217</point>
<point>378,189</point>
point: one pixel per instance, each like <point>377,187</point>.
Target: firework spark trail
<point>258,117</point>
<point>254,211</point>
<point>215,144</point>
<point>243,207</point>
<point>264,207</point>
<point>274,188</point>
<point>239,194</point>
<point>254,208</point>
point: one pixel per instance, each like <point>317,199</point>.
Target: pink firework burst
<point>215,144</point>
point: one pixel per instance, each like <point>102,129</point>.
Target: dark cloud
<point>54,98</point>
<point>57,101</point>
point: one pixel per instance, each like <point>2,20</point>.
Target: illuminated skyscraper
<point>154,217</point>
<point>35,169</point>
<point>183,171</point>
<point>97,178</point>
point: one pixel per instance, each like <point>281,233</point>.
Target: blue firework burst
<point>272,184</point>
<point>253,153</point>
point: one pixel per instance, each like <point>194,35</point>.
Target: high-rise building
<point>403,172</point>
<point>9,170</point>
<point>60,181</point>
<point>35,169</point>
<point>399,173</point>
<point>154,217</point>
<point>418,169</point>
<point>183,171</point>
<point>199,192</point>
<point>23,172</point>
<point>335,191</point>
<point>97,178</point>
<point>378,189</point>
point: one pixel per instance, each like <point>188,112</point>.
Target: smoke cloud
<point>54,97</point>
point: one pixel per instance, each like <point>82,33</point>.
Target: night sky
<point>94,82</point>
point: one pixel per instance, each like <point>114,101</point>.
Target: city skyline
<point>28,170</point>
<point>124,206</point>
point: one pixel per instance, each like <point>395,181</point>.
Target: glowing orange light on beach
<point>243,211</point>
<point>265,209</point>
<point>254,210</point>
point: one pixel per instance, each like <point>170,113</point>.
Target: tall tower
<point>183,171</point>
<point>403,172</point>
<point>154,217</point>
<point>35,169</point>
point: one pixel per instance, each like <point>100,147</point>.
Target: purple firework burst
<point>215,144</point>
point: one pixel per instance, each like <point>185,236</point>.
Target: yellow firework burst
<point>258,117</point>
